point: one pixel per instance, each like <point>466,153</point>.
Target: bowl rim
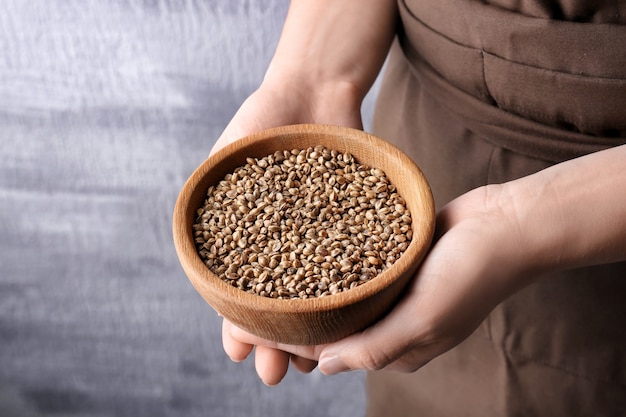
<point>199,273</point>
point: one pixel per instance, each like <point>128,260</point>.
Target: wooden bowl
<point>315,320</point>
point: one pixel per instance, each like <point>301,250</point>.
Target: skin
<point>570,215</point>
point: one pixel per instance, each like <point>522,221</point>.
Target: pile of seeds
<point>302,223</point>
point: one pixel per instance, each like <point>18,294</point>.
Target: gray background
<point>106,107</point>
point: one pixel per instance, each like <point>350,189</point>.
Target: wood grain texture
<point>105,109</point>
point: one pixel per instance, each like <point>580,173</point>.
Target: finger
<point>378,347</point>
<point>271,364</point>
<point>235,349</point>
<point>307,352</point>
<point>368,351</point>
<point>302,364</point>
<point>249,338</point>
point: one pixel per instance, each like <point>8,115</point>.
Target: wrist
<point>329,46</point>
<point>527,238</point>
<point>572,214</point>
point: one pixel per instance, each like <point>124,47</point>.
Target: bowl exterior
<point>311,326</point>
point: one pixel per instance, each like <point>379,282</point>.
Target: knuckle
<point>374,360</point>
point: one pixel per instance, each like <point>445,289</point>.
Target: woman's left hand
<point>490,242</point>
<point>469,270</point>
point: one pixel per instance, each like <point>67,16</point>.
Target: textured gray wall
<point>105,108</point>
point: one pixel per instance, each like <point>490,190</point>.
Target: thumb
<point>375,348</point>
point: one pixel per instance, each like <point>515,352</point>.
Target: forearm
<point>334,44</point>
<point>572,214</point>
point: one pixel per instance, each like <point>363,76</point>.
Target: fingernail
<point>332,365</point>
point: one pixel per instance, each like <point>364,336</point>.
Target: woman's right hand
<point>272,106</point>
<point>328,56</point>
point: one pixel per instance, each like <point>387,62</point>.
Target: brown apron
<point>477,93</point>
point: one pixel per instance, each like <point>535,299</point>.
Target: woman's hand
<point>468,271</point>
<point>490,242</point>
<point>327,58</point>
<point>281,101</point>
<point>272,106</point>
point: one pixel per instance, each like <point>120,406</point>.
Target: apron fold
<point>478,94</point>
